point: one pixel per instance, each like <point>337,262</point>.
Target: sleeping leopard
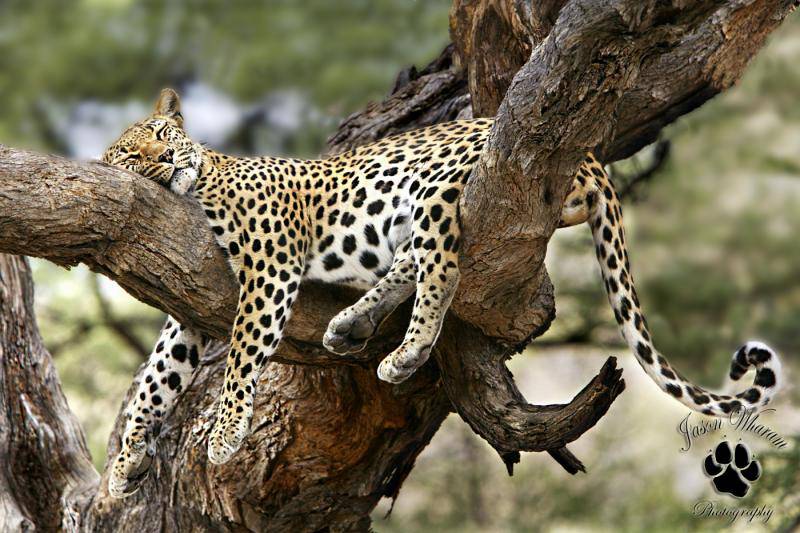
<point>383,217</point>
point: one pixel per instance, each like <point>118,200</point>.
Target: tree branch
<point>438,93</point>
<point>640,65</point>
<point>617,59</point>
<point>485,396</point>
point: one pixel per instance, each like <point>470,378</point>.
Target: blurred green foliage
<point>713,236</point>
<point>780,485</point>
<point>340,53</point>
<point>94,363</point>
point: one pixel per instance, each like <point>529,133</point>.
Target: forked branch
<point>484,394</point>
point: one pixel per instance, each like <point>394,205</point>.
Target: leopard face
<point>158,148</point>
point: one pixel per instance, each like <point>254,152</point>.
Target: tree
<point>329,440</point>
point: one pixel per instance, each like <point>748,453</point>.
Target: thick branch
<point>640,65</point>
<point>437,93</point>
<point>118,225</point>
<point>493,39</point>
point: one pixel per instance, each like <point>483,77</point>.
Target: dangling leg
<point>435,249</point>
<point>349,331</point>
<point>267,288</point>
<point>435,237</point>
<point>169,369</point>
<point>435,240</point>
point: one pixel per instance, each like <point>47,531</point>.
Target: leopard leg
<point>268,284</point>
<point>349,331</point>
<point>435,237</point>
<point>169,369</point>
<point>435,240</point>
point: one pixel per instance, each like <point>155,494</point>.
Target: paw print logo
<point>732,470</point>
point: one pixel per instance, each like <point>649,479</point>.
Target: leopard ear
<point>169,105</point>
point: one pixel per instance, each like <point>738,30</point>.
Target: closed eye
<point>160,131</point>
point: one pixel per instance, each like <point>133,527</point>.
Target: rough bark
<point>493,39</point>
<point>328,438</point>
<point>437,93</point>
<point>641,64</point>
<point>45,470</point>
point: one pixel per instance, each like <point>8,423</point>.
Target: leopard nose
<point>166,156</point>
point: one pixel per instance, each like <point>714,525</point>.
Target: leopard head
<point>158,147</point>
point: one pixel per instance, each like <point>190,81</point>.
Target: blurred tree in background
<point>335,55</point>
<point>717,265</point>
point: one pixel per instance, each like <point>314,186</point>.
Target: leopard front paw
<point>131,467</point>
<point>228,435</point>
<point>349,332</point>
<point>401,363</point>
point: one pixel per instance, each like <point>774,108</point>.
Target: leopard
<point>383,217</point>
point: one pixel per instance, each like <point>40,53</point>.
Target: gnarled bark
<point>638,65</point>
<point>329,440</point>
<point>45,470</point>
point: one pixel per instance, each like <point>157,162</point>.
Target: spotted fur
<point>383,217</point>
<point>170,367</point>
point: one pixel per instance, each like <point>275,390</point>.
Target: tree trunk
<point>328,438</point>
<point>46,471</point>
